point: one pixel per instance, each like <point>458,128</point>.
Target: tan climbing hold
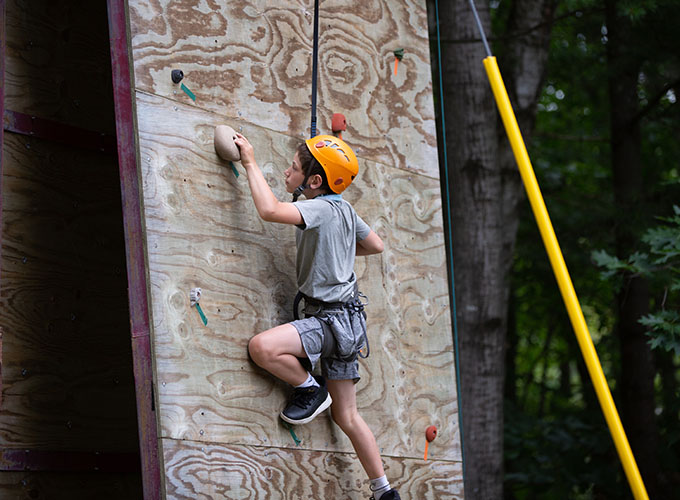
<point>224,143</point>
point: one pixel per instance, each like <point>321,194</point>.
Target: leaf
<point>638,262</point>
<point>603,259</point>
<point>665,330</point>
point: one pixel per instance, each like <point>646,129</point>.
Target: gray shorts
<point>333,337</point>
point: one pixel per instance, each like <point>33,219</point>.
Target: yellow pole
<point>564,281</point>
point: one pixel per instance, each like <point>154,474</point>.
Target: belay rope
<point>355,306</point>
<point>315,66</point>
<point>299,296</point>
<point>315,70</point>
<point>456,351</point>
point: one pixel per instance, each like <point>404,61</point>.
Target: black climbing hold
<point>177,75</point>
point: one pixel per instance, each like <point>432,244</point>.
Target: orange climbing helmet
<point>337,159</point>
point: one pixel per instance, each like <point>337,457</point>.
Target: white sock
<point>310,382</point>
<point>380,486</point>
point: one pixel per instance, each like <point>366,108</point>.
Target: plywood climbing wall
<point>248,64</point>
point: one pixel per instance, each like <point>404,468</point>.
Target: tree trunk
<point>523,60</point>
<point>477,228</point>
<point>511,339</point>
<point>637,368</point>
<point>486,190</point>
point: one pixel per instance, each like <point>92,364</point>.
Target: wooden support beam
<point>35,126</point>
<point>68,461</point>
<point>134,249</point>
<point>2,147</point>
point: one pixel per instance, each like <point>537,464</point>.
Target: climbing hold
<point>194,297</point>
<point>176,75</point>
<point>339,122</point>
<point>224,143</point>
<point>430,434</point>
<point>398,56</point>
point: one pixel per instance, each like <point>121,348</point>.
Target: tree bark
<point>523,62</point>
<point>637,367</point>
<point>477,229</point>
<point>486,190</point>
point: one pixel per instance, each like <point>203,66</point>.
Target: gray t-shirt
<point>326,247</point>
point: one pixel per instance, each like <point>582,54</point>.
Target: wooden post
<point>134,249</point>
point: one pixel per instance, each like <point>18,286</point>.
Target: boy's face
<point>294,175</point>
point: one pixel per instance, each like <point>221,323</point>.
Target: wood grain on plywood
<point>199,470</point>
<point>203,231</point>
<point>252,60</point>
<point>247,64</point>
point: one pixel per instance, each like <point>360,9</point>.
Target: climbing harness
<point>327,313</point>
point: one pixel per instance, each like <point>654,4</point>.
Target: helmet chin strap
<point>298,191</point>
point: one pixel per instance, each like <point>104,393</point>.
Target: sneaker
<point>306,403</point>
<point>389,495</point>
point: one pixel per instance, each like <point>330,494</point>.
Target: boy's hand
<point>246,149</point>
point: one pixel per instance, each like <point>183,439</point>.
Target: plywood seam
<point>310,450</point>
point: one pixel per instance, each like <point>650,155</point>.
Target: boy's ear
<point>315,181</point>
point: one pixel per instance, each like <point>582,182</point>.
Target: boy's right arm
<point>370,245</point>
<point>268,207</point>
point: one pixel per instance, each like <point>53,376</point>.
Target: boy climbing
<point>329,234</point>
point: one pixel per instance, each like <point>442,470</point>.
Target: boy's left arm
<point>268,207</point>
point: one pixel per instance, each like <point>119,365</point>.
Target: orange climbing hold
<point>430,434</point>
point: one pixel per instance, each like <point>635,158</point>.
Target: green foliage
<point>665,330</point>
<point>565,457</point>
<point>636,263</point>
<point>665,241</point>
<point>552,414</point>
<point>635,10</point>
<point>662,267</point>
